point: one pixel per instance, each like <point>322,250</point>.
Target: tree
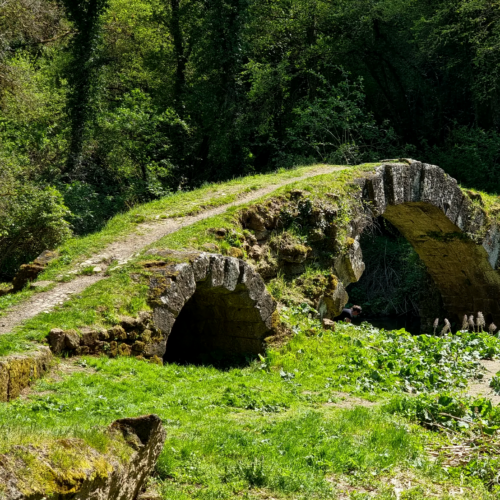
<point>83,72</point>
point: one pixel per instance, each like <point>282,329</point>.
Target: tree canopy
<point>108,103</point>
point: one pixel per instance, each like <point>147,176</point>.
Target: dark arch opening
<point>218,327</point>
<point>395,290</point>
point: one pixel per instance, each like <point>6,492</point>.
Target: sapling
<point>436,323</point>
<point>480,321</point>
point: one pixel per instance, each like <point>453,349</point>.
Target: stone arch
<point>208,303</point>
<point>449,230</point>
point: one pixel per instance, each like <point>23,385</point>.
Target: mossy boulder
<point>71,469</point>
<point>30,272</point>
<point>290,249</point>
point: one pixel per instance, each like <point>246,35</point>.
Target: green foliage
<point>135,142</point>
<point>89,209</point>
<point>455,413</point>
<point>425,363</point>
<point>470,154</point>
<point>33,220</point>
<point>334,126</point>
<point>477,421</point>
<point>394,278</point>
<point>127,101</point>
<point>83,72</point>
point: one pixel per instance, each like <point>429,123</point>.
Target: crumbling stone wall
<point>30,272</point>
<point>131,337</point>
<point>269,238</point>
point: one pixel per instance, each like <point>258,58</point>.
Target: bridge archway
<point>450,232</point>
<point>209,304</point>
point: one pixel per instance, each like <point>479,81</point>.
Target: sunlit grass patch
<point>290,450</point>
<point>99,305</point>
<point>198,234</point>
<point>277,427</point>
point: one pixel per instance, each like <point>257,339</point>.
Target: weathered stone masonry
<point>209,303</point>
<point>451,233</point>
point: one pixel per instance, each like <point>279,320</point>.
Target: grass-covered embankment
<point>179,204</point>
<point>301,422</point>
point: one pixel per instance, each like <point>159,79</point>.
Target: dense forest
<point>108,103</point>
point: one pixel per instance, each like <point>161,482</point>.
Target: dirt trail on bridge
<point>126,248</point>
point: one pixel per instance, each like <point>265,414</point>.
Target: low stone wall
<point>70,469</point>
<point>132,337</point>
<point>19,371</point>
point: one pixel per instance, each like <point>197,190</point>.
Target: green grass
<point>177,205</point>
<point>98,305</point>
<point>283,426</point>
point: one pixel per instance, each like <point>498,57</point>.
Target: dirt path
<point>481,388</point>
<point>126,248</point>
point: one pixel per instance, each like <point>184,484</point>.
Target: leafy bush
<point>472,155</point>
<point>449,411</point>
<point>135,142</point>
<point>424,363</point>
<point>335,127</point>
<point>33,220</point>
<point>89,209</point>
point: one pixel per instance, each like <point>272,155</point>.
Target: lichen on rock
<point>71,469</point>
<point>19,371</point>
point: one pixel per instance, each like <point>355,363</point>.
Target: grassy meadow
<point>317,417</point>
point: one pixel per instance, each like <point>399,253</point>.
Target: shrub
<point>470,154</point>
<point>89,209</point>
<point>33,220</point>
<point>335,127</point>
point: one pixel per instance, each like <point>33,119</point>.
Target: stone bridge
<point>448,228</point>
<point>208,302</point>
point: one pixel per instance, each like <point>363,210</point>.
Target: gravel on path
<point>481,388</point>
